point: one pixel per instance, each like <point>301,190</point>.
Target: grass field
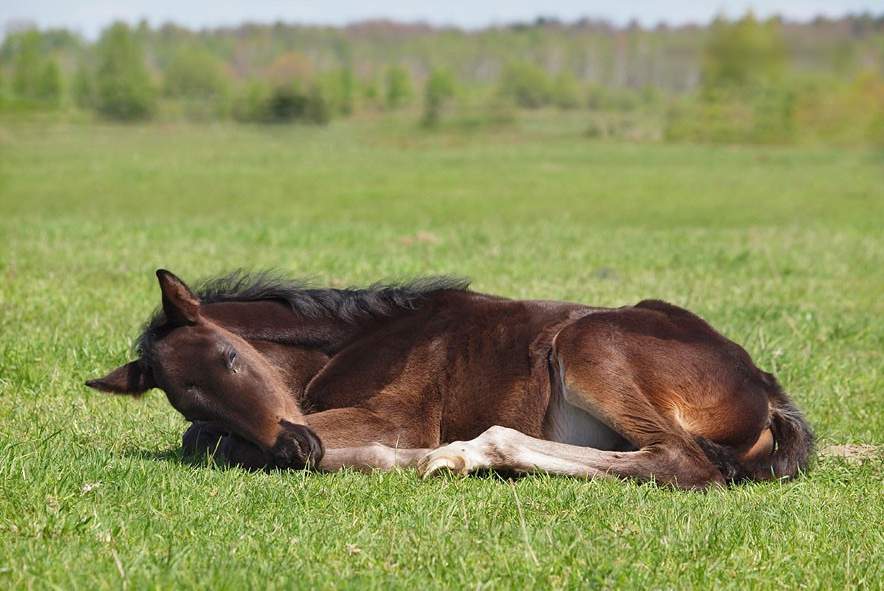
<point>780,248</point>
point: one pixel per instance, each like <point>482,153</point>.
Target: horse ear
<point>180,305</point>
<point>131,378</point>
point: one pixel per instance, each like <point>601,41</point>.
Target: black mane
<point>349,305</point>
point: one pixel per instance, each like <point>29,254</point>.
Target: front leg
<point>203,439</point>
<point>358,438</point>
<point>354,438</point>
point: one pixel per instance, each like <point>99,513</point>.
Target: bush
<point>526,85</point>
<point>36,79</point>
<point>398,88</point>
<point>195,73</point>
<point>83,87</point>
<point>438,90</point>
<point>318,110</point>
<point>744,96</point>
<point>768,116</point>
<point>602,98</point>
<point>123,87</point>
<point>566,91</point>
<point>283,104</point>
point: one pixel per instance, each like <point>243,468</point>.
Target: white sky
<point>89,16</point>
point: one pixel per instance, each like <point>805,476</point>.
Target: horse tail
<point>793,437</point>
<point>792,448</point>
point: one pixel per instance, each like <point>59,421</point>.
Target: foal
<point>432,375</point>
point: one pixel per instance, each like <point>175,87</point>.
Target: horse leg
<point>204,438</point>
<point>594,372</point>
<point>354,438</point>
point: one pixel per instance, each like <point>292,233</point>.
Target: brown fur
<point>419,369</point>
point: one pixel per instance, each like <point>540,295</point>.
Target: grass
<point>780,248</point>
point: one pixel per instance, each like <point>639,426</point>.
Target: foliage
<point>36,77</point>
<point>745,95</point>
<point>527,85</point>
<point>195,73</point>
<point>259,103</point>
<point>438,90</point>
<point>83,87</point>
<point>748,80</point>
<point>566,91</point>
<point>742,55</point>
<point>398,90</point>
<point>124,90</point>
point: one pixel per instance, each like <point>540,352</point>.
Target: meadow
<point>780,248</point>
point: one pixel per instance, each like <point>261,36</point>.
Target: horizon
<point>89,19</point>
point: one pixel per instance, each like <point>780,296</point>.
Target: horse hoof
<point>444,459</point>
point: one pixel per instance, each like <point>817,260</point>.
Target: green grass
<point>779,248</point>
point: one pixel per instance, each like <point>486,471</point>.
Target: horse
<point>273,373</point>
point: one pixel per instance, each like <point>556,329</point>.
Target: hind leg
<point>594,372</point>
<point>503,448</point>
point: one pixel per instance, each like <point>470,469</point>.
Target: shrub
<point>526,85</point>
<point>438,90</point>
<point>83,87</point>
<point>195,73</point>
<point>36,79</point>
<point>123,87</point>
<point>566,91</point>
<point>283,104</point>
<point>398,88</point>
<point>318,110</point>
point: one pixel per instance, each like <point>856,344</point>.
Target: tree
<point>317,110</point>
<point>25,78</point>
<point>526,85</point>
<point>398,88</point>
<point>346,87</point>
<point>83,87</point>
<point>48,89</point>
<point>566,91</point>
<point>36,78</point>
<point>741,55</point>
<point>123,86</point>
<point>195,73</point>
<point>438,90</point>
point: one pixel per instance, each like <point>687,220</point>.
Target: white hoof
<point>455,457</point>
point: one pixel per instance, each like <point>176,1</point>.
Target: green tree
<point>195,73</point>
<point>49,84</point>
<point>438,90</point>
<point>83,87</point>
<point>566,91</point>
<point>741,55</point>
<point>346,90</point>
<point>28,65</point>
<point>526,85</point>
<point>398,88</point>
<point>317,110</point>
<point>123,86</point>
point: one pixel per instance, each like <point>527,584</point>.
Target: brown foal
<point>432,375</point>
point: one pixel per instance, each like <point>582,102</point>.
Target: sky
<point>90,16</point>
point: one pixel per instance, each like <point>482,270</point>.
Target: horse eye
<point>231,358</point>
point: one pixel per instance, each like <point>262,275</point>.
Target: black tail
<point>793,437</point>
<point>793,443</point>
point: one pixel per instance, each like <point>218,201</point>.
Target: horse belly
<point>566,423</point>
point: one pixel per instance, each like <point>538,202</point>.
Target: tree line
<point>743,80</point>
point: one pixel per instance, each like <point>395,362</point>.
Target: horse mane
<point>350,305</point>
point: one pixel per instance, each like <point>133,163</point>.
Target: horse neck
<point>274,322</point>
